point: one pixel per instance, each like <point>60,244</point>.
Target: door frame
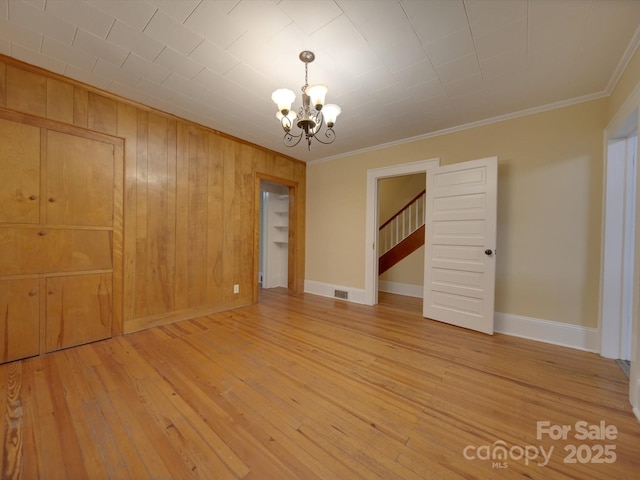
<point>626,112</point>
<point>292,260</point>
<point>371,228</point>
<point>617,248</point>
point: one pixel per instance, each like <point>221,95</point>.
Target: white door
<point>460,244</point>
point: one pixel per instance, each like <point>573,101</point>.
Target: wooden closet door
<point>80,180</point>
<point>79,310</point>
<point>19,173</point>
<point>19,329</point>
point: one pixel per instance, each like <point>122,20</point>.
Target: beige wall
<point>549,209</point>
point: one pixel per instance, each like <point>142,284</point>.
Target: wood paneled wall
<point>190,212</point>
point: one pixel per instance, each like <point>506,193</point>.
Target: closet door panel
<point>22,250</point>
<point>19,173</point>
<point>19,329</point>
<point>79,310</point>
<point>72,250</point>
<point>80,180</point>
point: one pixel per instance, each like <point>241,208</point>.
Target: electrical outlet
<point>236,288</point>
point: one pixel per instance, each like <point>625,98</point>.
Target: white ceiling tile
<point>505,38</point>
<point>427,90</point>
<point>87,77</point>
<point>464,85</point>
<point>444,63</point>
<point>135,13</point>
<point>450,47</point>
<point>416,74</point>
<point>314,15</point>
<point>170,32</point>
<point>435,19</point>
<point>63,53</point>
<point>252,80</point>
<point>211,20</point>
<point>485,16</point>
<point>178,10</point>
<point>252,13</point>
<point>96,46</point>
<point>339,35</point>
<point>20,36</point>
<point>168,89</point>
<point>403,54</point>
<point>213,57</point>
<point>511,84</point>
<point>150,70</point>
<point>127,92</point>
<point>178,63</point>
<point>504,63</point>
<point>112,72</point>
<point>385,24</point>
<point>157,90</point>
<point>460,68</point>
<point>131,39</point>
<point>35,58</point>
<point>83,15</point>
<point>35,19</point>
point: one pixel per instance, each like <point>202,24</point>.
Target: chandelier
<point>313,113</point>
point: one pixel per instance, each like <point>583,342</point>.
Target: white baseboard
<point>355,295</point>
<point>546,331</point>
<point>556,333</point>
<point>406,289</point>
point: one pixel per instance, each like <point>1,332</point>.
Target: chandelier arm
<point>329,134</point>
<point>291,140</point>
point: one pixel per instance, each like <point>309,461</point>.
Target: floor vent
<point>343,294</point>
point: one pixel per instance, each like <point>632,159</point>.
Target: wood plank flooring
<point>304,387</point>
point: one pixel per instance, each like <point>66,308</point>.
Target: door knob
<point>488,251</point>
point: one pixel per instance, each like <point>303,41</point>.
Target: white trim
<point>545,331</point>
<point>466,126</point>
<point>613,82</point>
<point>556,333</point>
<point>624,61</point>
<point>398,288</point>
<point>371,212</point>
<point>356,295</point>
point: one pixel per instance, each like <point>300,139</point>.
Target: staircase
<point>402,234</point>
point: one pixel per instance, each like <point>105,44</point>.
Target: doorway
<point>372,220</point>
<point>397,195</point>
<point>619,239</point>
<point>276,241</point>
<point>274,235</point>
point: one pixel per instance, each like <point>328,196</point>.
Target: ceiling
<point>399,69</point>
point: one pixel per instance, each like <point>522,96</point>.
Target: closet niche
<point>60,236</point>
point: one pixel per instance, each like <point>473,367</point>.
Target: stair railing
<point>406,221</point>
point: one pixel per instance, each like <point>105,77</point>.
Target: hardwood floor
<point>304,387</point>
